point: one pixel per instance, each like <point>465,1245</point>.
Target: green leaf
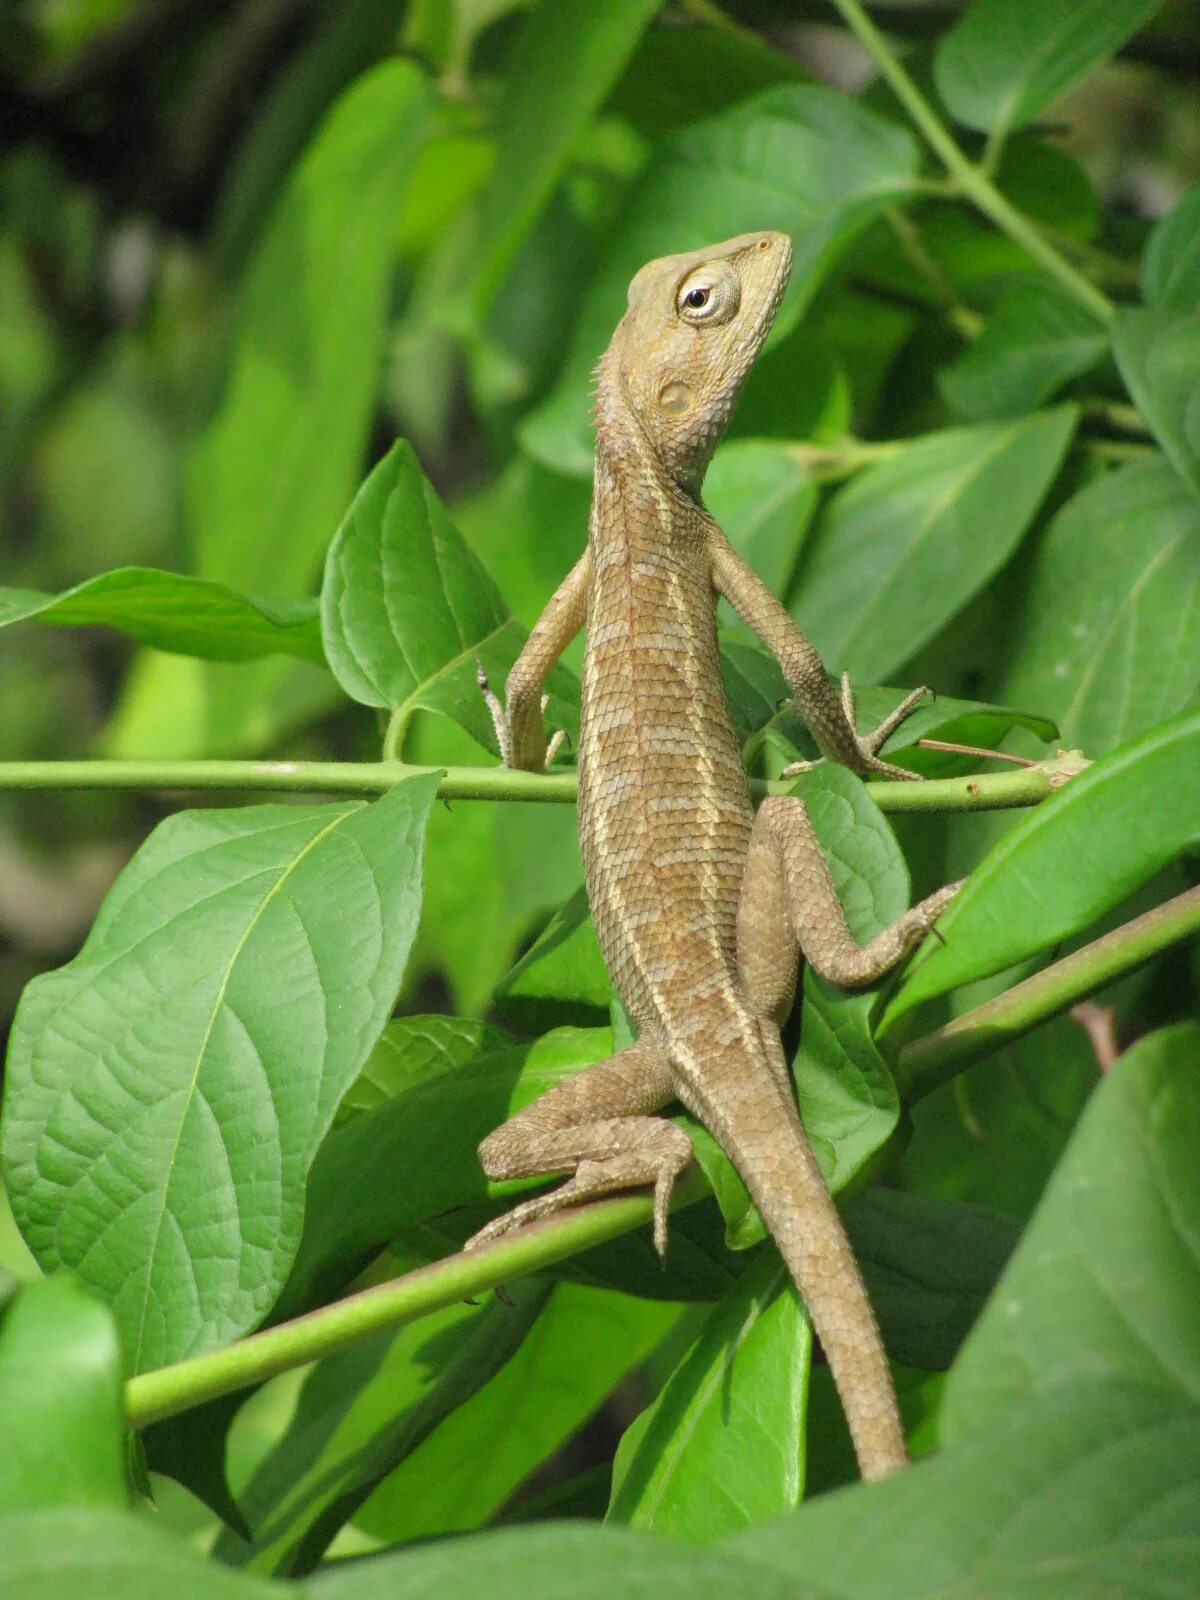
<point>1107,1277</point>
<point>561,68</point>
<point>1065,864</point>
<point>272,474</point>
<point>407,610</point>
<point>557,1561</point>
<point>908,542</point>
<point>168,1088</point>
<point>340,46</point>
<point>109,1555</point>
<point>561,979</point>
<point>1158,353</point>
<point>1005,60</point>
<point>1035,340</point>
<point>763,498</point>
<point>496,873</point>
<point>273,471</point>
<point>412,1049</point>
<point>806,161</point>
<point>428,1131</point>
<point>182,615</point>
<point>929,1265</point>
<point>359,1414</point>
<point>1171,263</point>
<point>847,1095</point>
<point>61,1435</point>
<point>795,390</point>
<point>1091,1493</point>
<point>528,528</point>
<point>677,75</point>
<point>1110,637</point>
<point>722,1447</point>
<point>583,1343</point>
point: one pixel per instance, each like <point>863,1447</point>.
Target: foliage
<point>327,286</point>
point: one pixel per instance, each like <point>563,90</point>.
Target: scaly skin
<point>702,910</point>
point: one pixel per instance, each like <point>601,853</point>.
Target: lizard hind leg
<point>787,889</point>
<point>597,1127</point>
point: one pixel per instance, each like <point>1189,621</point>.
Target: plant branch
<point>169,1390</point>
<point>973,183</point>
<point>929,1061</point>
<point>982,792</point>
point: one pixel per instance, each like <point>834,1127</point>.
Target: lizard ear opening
<point>709,295</point>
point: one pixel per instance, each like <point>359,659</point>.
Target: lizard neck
<point>635,500</point>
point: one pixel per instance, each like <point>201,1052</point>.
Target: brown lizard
<point>702,909</point>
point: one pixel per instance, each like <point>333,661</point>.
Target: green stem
<point>929,1061</point>
<point>985,792</point>
<point>974,184</point>
<point>169,1390</point>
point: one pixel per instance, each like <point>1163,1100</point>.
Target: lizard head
<point>681,352</point>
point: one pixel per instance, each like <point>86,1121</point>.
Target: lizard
<point>703,909</point>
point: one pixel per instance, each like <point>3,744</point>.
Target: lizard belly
<point>664,808</point>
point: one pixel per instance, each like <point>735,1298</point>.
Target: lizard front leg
<point>828,716</point>
<point>596,1127</point>
<point>518,722</point>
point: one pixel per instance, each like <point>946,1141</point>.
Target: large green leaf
<point>1007,59</point>
<point>361,1412</point>
<point>584,1341</point>
<point>561,68</point>
<point>1107,1277</point>
<point>60,1425</point>
<point>186,616</point>
<point>110,1555</point>
<point>1093,1492</point>
<point>722,1447</point>
<point>557,1561</point>
<point>929,1265</point>
<point>407,610</point>
<point>1171,262</point>
<point>1067,863</point>
<point>908,542</point>
<point>1110,635</point>
<point>168,1088</point>
<point>806,161</point>
<point>1158,353</point>
<point>273,471</point>
<point>1035,340</point>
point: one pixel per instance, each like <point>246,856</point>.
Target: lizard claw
<point>495,706</point>
<point>869,744</point>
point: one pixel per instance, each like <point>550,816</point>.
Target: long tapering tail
<point>743,1094</point>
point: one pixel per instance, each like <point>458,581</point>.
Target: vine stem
<point>169,1390</point>
<point>923,1064</point>
<point>983,792</point>
<point>972,182</point>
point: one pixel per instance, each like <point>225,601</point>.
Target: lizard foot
<point>502,726</point>
<point>869,743</point>
<point>592,1181</point>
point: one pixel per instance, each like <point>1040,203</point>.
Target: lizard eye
<point>709,295</point>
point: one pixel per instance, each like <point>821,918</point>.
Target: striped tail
<point>743,1094</point>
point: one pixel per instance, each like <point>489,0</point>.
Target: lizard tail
<point>748,1105</point>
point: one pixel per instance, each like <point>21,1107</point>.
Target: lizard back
<point>664,807</point>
